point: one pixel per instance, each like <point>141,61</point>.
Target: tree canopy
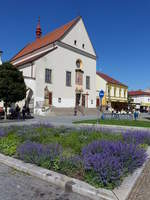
<point>12,85</point>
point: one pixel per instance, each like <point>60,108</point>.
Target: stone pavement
<point>16,185</point>
<point>55,120</point>
<point>141,190</point>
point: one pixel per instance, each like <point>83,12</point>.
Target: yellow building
<point>116,93</point>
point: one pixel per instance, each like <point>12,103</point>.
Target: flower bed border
<point>75,185</point>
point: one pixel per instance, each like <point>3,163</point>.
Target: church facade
<point>59,68</point>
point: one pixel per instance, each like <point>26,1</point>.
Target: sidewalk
<point>141,190</point>
<point>15,185</point>
<point>67,121</point>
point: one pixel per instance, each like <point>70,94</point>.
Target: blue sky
<point>119,30</point>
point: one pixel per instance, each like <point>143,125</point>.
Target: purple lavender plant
<point>138,137</point>
<point>38,153</point>
<point>74,161</point>
<point>112,160</point>
<point>2,132</point>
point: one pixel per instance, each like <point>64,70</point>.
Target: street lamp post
<point>0,57</point>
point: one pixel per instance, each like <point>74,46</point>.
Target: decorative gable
<point>78,37</point>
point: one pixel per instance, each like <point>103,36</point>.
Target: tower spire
<point>38,30</point>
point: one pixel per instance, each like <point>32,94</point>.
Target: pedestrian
<point>17,111</point>
<point>11,111</point>
<point>75,111</point>
<point>28,111</point>
<point>23,112</point>
<point>135,115</point>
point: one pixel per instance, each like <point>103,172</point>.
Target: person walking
<point>23,112</point>
<point>28,112</point>
<point>17,112</point>
<point>135,115</point>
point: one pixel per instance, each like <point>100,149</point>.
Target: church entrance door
<point>83,100</point>
<point>78,96</point>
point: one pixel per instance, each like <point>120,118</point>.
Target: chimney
<point>38,30</point>
<point>0,57</point>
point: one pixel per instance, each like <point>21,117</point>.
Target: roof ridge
<point>138,93</point>
<point>107,75</point>
<point>31,59</point>
<point>55,35</point>
<point>19,51</point>
<point>109,78</point>
<point>75,19</point>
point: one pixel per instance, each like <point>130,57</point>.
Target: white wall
<point>60,61</point>
<point>79,33</point>
<point>100,85</point>
<point>28,70</point>
<point>141,99</point>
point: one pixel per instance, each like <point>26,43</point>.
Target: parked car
<point>1,112</point>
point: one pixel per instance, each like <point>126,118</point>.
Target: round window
<point>79,63</point>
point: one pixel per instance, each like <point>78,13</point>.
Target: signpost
<point>101,95</point>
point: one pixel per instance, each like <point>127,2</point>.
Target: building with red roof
<point>141,99</point>
<point>115,92</point>
<point>59,68</point>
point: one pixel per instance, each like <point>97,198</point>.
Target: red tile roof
<point>109,79</point>
<point>29,60</point>
<point>138,93</point>
<point>46,40</point>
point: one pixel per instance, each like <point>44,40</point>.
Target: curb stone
<point>71,184</point>
<point>75,185</point>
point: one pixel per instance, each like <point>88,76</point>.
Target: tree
<point>12,85</point>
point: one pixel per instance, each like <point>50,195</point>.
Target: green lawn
<point>117,122</point>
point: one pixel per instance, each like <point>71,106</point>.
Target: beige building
<point>59,68</point>
<point>115,92</point>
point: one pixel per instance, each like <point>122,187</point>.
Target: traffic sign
<point>101,94</point>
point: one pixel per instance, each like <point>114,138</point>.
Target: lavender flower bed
<point>100,158</point>
<point>42,155</point>
<point>111,161</point>
<point>2,133</point>
<point>137,137</point>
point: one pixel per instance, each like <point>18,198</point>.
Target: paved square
<point>15,185</point>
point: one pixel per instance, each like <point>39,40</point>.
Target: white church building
<point>59,68</point>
